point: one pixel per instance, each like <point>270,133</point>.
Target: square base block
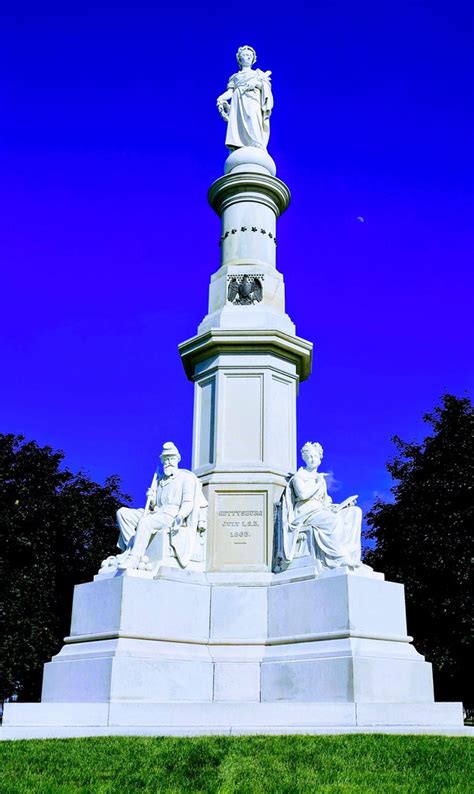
<point>29,720</point>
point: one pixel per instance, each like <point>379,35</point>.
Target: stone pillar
<point>246,362</point>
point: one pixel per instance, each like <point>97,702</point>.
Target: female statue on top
<point>330,532</point>
<point>250,94</point>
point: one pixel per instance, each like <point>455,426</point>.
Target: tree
<point>424,540</point>
<point>55,528</point>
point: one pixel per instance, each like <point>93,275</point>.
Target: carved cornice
<point>289,347</point>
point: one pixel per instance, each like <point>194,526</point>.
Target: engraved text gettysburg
<point>240,528</point>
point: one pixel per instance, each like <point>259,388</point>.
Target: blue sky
<point>109,141</point>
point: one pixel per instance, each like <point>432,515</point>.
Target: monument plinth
<point>239,601</point>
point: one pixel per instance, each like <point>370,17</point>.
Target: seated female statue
<point>335,528</point>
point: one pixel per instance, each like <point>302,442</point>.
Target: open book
<point>347,502</point>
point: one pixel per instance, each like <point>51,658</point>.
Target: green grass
<point>228,765</point>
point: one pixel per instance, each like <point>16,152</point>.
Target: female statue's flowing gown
<point>250,108</point>
<point>336,534</point>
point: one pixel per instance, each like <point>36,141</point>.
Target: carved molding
<point>261,188</point>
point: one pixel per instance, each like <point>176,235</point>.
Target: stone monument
<point>238,601</point>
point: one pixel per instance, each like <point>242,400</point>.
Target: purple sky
<point>109,141</point>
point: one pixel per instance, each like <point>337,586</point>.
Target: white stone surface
<point>192,637</point>
<point>245,415</point>
<point>241,529</point>
<point>428,714</point>
<point>338,603</point>
<point>244,435</point>
<point>233,714</point>
<point>134,635</point>
<point>14,734</point>
<point>48,714</point>
<point>323,680</point>
<point>167,529</point>
<point>392,679</point>
<point>237,682</point>
<point>312,523</point>
<point>166,680</point>
<point>346,678</point>
<point>250,95</point>
<point>246,363</point>
<point>341,636</point>
<point>239,614</point>
<point>188,719</point>
<point>158,609</point>
<point>230,665</point>
<point>248,159</point>
<point>138,670</point>
<point>262,316</point>
<point>86,680</point>
<point>248,203</point>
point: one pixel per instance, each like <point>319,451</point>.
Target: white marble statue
<point>175,505</point>
<point>251,101</point>
<point>311,519</point>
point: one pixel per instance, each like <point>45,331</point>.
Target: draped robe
<point>250,108</point>
<point>307,507</point>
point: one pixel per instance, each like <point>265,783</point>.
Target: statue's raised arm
<point>247,104</point>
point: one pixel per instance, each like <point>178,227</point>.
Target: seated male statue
<point>175,505</point>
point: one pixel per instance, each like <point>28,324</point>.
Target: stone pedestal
<point>215,652</point>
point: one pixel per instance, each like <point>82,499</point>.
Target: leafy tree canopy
<point>424,540</point>
<point>55,528</point>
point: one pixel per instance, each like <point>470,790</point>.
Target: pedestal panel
<point>232,658</point>
<point>240,529</point>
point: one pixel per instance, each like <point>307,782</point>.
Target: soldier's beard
<point>168,469</point>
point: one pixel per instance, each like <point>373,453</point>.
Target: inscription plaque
<point>240,529</point>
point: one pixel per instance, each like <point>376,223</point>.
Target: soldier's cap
<point>169,450</point>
